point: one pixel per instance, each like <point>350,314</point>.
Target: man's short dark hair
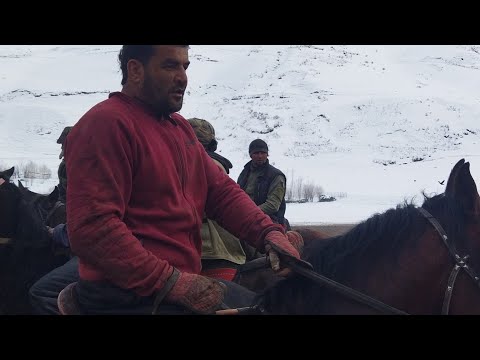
<point>142,53</point>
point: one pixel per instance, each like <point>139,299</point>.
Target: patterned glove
<point>198,293</point>
<point>296,240</point>
<point>280,241</point>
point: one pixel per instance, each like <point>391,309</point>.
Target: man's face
<point>259,157</point>
<point>165,79</point>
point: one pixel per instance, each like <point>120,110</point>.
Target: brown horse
<point>417,260</point>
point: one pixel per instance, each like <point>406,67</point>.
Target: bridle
<point>460,261</point>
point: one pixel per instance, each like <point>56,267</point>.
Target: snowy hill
<point>373,124</point>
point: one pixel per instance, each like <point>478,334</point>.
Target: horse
<point>409,259</point>
<point>26,250</point>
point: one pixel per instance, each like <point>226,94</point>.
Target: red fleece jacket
<point>137,188</point>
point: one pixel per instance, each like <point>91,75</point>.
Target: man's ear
<point>136,71</point>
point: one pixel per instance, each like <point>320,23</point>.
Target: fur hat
<point>204,132</point>
<point>257,145</point>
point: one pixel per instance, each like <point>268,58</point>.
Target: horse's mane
<point>380,236</point>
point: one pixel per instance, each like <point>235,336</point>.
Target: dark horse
<point>418,260</point>
<point>26,250</point>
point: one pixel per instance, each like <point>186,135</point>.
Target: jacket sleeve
<point>233,209</point>
<point>276,192</point>
<point>100,157</point>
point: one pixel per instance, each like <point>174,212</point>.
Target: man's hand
<point>198,293</point>
<point>280,241</point>
<point>50,231</point>
<point>296,240</point>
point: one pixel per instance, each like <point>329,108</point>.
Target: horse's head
<point>50,209</point>
<point>9,199</point>
<point>460,219</point>
<point>7,174</point>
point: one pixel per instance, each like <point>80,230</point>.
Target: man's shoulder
<point>219,164</point>
<point>221,161</point>
<point>179,118</point>
<point>112,104</point>
<point>247,165</point>
<point>275,171</point>
<point>108,110</point>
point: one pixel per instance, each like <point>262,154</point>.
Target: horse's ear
<point>450,189</point>
<point>466,190</point>
<point>21,187</point>
<point>7,174</point>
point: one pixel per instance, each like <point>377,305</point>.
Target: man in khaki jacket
<point>222,252</point>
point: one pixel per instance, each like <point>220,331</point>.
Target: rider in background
<point>62,169</point>
<point>44,292</point>
<point>222,252</point>
<point>265,185</point>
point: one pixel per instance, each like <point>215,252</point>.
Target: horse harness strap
<point>460,261</point>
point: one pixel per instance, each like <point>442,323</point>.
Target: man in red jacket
<point>138,183</point>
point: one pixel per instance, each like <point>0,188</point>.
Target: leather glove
<point>198,293</point>
<point>280,241</point>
